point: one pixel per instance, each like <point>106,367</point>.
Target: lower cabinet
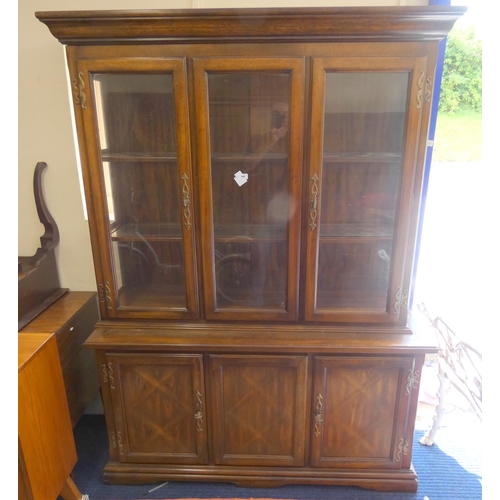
<point>261,419</point>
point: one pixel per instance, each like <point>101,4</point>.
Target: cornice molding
<point>251,25</point>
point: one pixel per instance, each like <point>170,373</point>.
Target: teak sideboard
<point>46,447</point>
<point>253,181</point>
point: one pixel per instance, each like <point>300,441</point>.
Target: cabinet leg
<point>70,491</point>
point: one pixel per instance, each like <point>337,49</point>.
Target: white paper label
<point>240,178</point>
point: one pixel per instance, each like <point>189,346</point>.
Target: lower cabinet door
<point>259,409</point>
<point>158,408</point>
<point>360,410</point>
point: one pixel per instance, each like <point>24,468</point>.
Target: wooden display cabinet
<point>253,180</point>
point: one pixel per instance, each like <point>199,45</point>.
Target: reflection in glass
<point>364,123</point>
<point>136,121</point>
<point>249,141</point>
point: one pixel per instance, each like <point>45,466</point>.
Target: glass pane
<point>136,121</point>
<point>362,165</point>
<point>251,202</point>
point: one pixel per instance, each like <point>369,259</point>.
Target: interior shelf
<point>236,299</point>
<point>148,231</point>
<point>246,232</point>
<point>170,157</point>
<point>359,230</point>
<point>361,157</point>
<point>254,232</point>
<point>229,157</point>
<point>152,296</point>
<point>368,300</point>
<point>108,156</point>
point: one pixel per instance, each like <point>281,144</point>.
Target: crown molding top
<point>251,25</point>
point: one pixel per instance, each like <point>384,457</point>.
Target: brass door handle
<point>198,416</point>
<point>313,202</point>
<point>186,202</point>
<point>318,415</point>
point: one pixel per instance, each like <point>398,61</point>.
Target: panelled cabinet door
<point>249,133</point>
<point>365,127</point>
<point>259,409</point>
<point>158,407</point>
<point>139,185</point>
<point>360,408</point>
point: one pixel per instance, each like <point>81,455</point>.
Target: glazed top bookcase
<point>253,180</point>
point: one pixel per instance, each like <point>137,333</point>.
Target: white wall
<point>45,129</point>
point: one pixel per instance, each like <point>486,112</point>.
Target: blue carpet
<point>449,470</point>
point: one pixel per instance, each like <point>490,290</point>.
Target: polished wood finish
<point>71,319</point>
<point>356,168</point>
<point>363,403</point>
<point>47,452</point>
<point>159,408</point>
<point>260,403</point>
<point>38,278</point>
<point>226,338</point>
<point>356,248</point>
<point>229,26</point>
<point>208,171</point>
<point>278,352</point>
<point>262,406</point>
<point>155,300</point>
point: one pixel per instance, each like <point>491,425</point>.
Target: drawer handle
<point>318,415</point>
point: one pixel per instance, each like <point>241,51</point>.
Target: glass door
<point>365,123</point>
<point>141,180</point>
<point>249,119</point>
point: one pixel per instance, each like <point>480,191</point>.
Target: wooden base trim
<point>402,480</point>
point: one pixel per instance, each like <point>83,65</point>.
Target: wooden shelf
<point>138,157</point>
<point>274,301</point>
<point>250,232</point>
<point>223,233</point>
<point>250,157</point>
<point>367,300</point>
<point>148,231</point>
<point>354,232</point>
<point>152,297</point>
<point>361,158</point>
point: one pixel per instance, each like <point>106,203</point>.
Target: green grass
<point>458,137</point>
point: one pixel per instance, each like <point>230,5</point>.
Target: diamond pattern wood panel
<point>159,408</point>
<point>360,411</point>
<point>259,409</point>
